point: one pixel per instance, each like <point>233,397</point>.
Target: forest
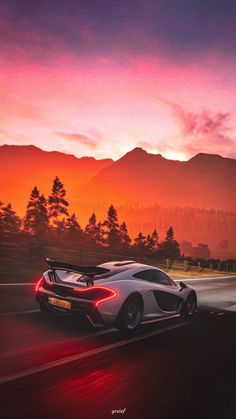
<point>48,220</point>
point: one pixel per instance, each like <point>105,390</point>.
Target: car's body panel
<point>158,299</point>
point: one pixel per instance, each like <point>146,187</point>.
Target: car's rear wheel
<point>131,313</point>
<point>190,306</point>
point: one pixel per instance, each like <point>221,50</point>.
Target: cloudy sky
<point>101,77</point>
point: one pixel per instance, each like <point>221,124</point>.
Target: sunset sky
<point>101,77</point>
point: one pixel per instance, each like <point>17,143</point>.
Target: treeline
<point>193,224</point>
<point>48,220</point>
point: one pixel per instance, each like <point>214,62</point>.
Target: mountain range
<point>138,178</point>
<point>142,185</point>
<point>23,167</point>
<point>204,181</point>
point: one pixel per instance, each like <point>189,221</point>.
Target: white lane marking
<point>16,313</point>
<point>16,284</point>
<point>160,319</point>
<point>76,357</point>
<point>97,333</point>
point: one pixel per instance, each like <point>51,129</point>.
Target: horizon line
<point>109,158</point>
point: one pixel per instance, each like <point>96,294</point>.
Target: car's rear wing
<point>89,271</point>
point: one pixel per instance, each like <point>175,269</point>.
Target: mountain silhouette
<point>138,178</point>
<point>23,167</point>
<point>204,181</point>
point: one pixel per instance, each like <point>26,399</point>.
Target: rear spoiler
<point>89,271</point>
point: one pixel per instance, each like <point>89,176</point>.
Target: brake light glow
<point>38,284</point>
<point>97,294</point>
<point>113,294</point>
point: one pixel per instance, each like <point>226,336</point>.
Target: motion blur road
<point>57,368</point>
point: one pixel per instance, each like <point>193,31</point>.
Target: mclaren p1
<point>123,294</point>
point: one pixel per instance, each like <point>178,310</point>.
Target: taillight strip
<point>87,290</point>
<point>38,283</point>
<point>114,294</point>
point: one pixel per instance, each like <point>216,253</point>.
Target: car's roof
<point>115,268</point>
<point>121,266</point>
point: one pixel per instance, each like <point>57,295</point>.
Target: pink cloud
<point>50,104</point>
<point>78,138</point>
<point>202,131</point>
<point>206,131</point>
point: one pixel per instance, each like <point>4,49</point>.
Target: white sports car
<point>123,293</point>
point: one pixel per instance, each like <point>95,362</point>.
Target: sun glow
<point>175,155</point>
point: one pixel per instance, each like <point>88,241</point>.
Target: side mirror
<point>182,285</point>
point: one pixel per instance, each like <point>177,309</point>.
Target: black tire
<point>189,307</point>
<point>131,313</point>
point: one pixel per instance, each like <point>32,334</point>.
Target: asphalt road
<point>56,368</point>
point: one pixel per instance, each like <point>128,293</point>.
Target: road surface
<point>55,368</point>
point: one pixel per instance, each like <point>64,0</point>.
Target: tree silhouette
<point>155,240</point>
<point>170,234</point>
<point>100,234</point>
<point>91,227</point>
<point>1,213</point>
<point>125,240</point>
<point>36,218</point>
<point>140,242</point>
<point>152,242</point>
<point>10,223</point>
<point>57,204</point>
<point>170,247</point>
<point>72,228</point>
<point>112,228</point>
<point>94,231</point>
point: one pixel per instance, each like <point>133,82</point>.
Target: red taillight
<point>113,294</point>
<point>97,294</point>
<point>38,284</point>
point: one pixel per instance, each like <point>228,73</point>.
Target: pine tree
<point>9,221</point>
<point>72,227</point>
<point>112,228</point>
<point>170,234</point>
<point>94,231</point>
<point>152,242</point>
<point>125,240</point>
<point>170,247</point>
<point>57,204</point>
<point>1,214</point>
<point>140,242</point>
<point>155,240</point>
<point>99,238</point>
<point>36,218</point>
<point>91,227</point>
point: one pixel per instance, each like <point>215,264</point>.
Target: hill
<point>22,167</point>
<point>204,181</point>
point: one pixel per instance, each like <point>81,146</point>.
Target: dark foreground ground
<point>55,368</point>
